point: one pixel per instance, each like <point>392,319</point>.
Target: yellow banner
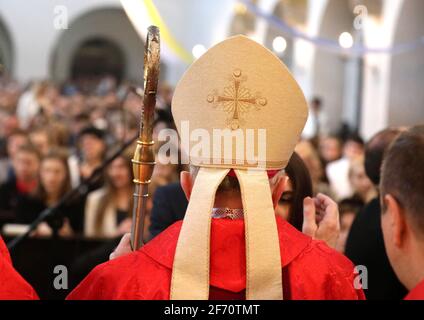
<point>166,35</point>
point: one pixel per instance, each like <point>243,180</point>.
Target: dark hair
<point>354,137</point>
<point>108,197</point>
<point>29,148</point>
<point>353,204</point>
<point>317,101</point>
<point>82,117</point>
<point>92,131</point>
<point>301,181</point>
<point>61,155</point>
<point>402,174</point>
<point>374,151</point>
<point>18,132</point>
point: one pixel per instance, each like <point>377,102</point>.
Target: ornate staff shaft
<point>144,156</point>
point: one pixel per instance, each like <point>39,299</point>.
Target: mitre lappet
<point>238,88</point>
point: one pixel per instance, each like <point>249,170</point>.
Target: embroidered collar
<point>227,213</point>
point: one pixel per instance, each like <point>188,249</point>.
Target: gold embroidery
<point>236,99</point>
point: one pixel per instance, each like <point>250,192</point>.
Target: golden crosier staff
<point>144,156</point>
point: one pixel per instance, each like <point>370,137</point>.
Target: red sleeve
<point>341,284</point>
<point>3,251</point>
<point>12,285</point>
<point>341,278</point>
<point>90,288</point>
<point>131,277</point>
<point>321,273</point>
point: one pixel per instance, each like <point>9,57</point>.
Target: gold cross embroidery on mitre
<point>236,99</point>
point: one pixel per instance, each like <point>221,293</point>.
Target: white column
<point>304,51</point>
<point>376,84</point>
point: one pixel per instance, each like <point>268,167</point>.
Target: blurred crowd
<point>52,139</point>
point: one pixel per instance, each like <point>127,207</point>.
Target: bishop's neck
<point>228,199</point>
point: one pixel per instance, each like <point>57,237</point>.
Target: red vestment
<point>12,285</point>
<point>311,270</point>
<point>417,293</point>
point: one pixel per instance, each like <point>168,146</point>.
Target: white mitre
<point>242,88</point>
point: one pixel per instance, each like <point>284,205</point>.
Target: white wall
<point>6,48</point>
<point>111,24</point>
<point>35,38</point>
<point>31,25</point>
<point>406,95</point>
<point>376,86</point>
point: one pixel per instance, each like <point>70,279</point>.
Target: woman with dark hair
<point>54,182</point>
<point>107,210</point>
<point>298,187</point>
<point>91,149</point>
<point>317,217</point>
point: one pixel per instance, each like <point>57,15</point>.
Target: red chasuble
<point>311,270</point>
<point>12,285</point>
<point>417,293</point>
